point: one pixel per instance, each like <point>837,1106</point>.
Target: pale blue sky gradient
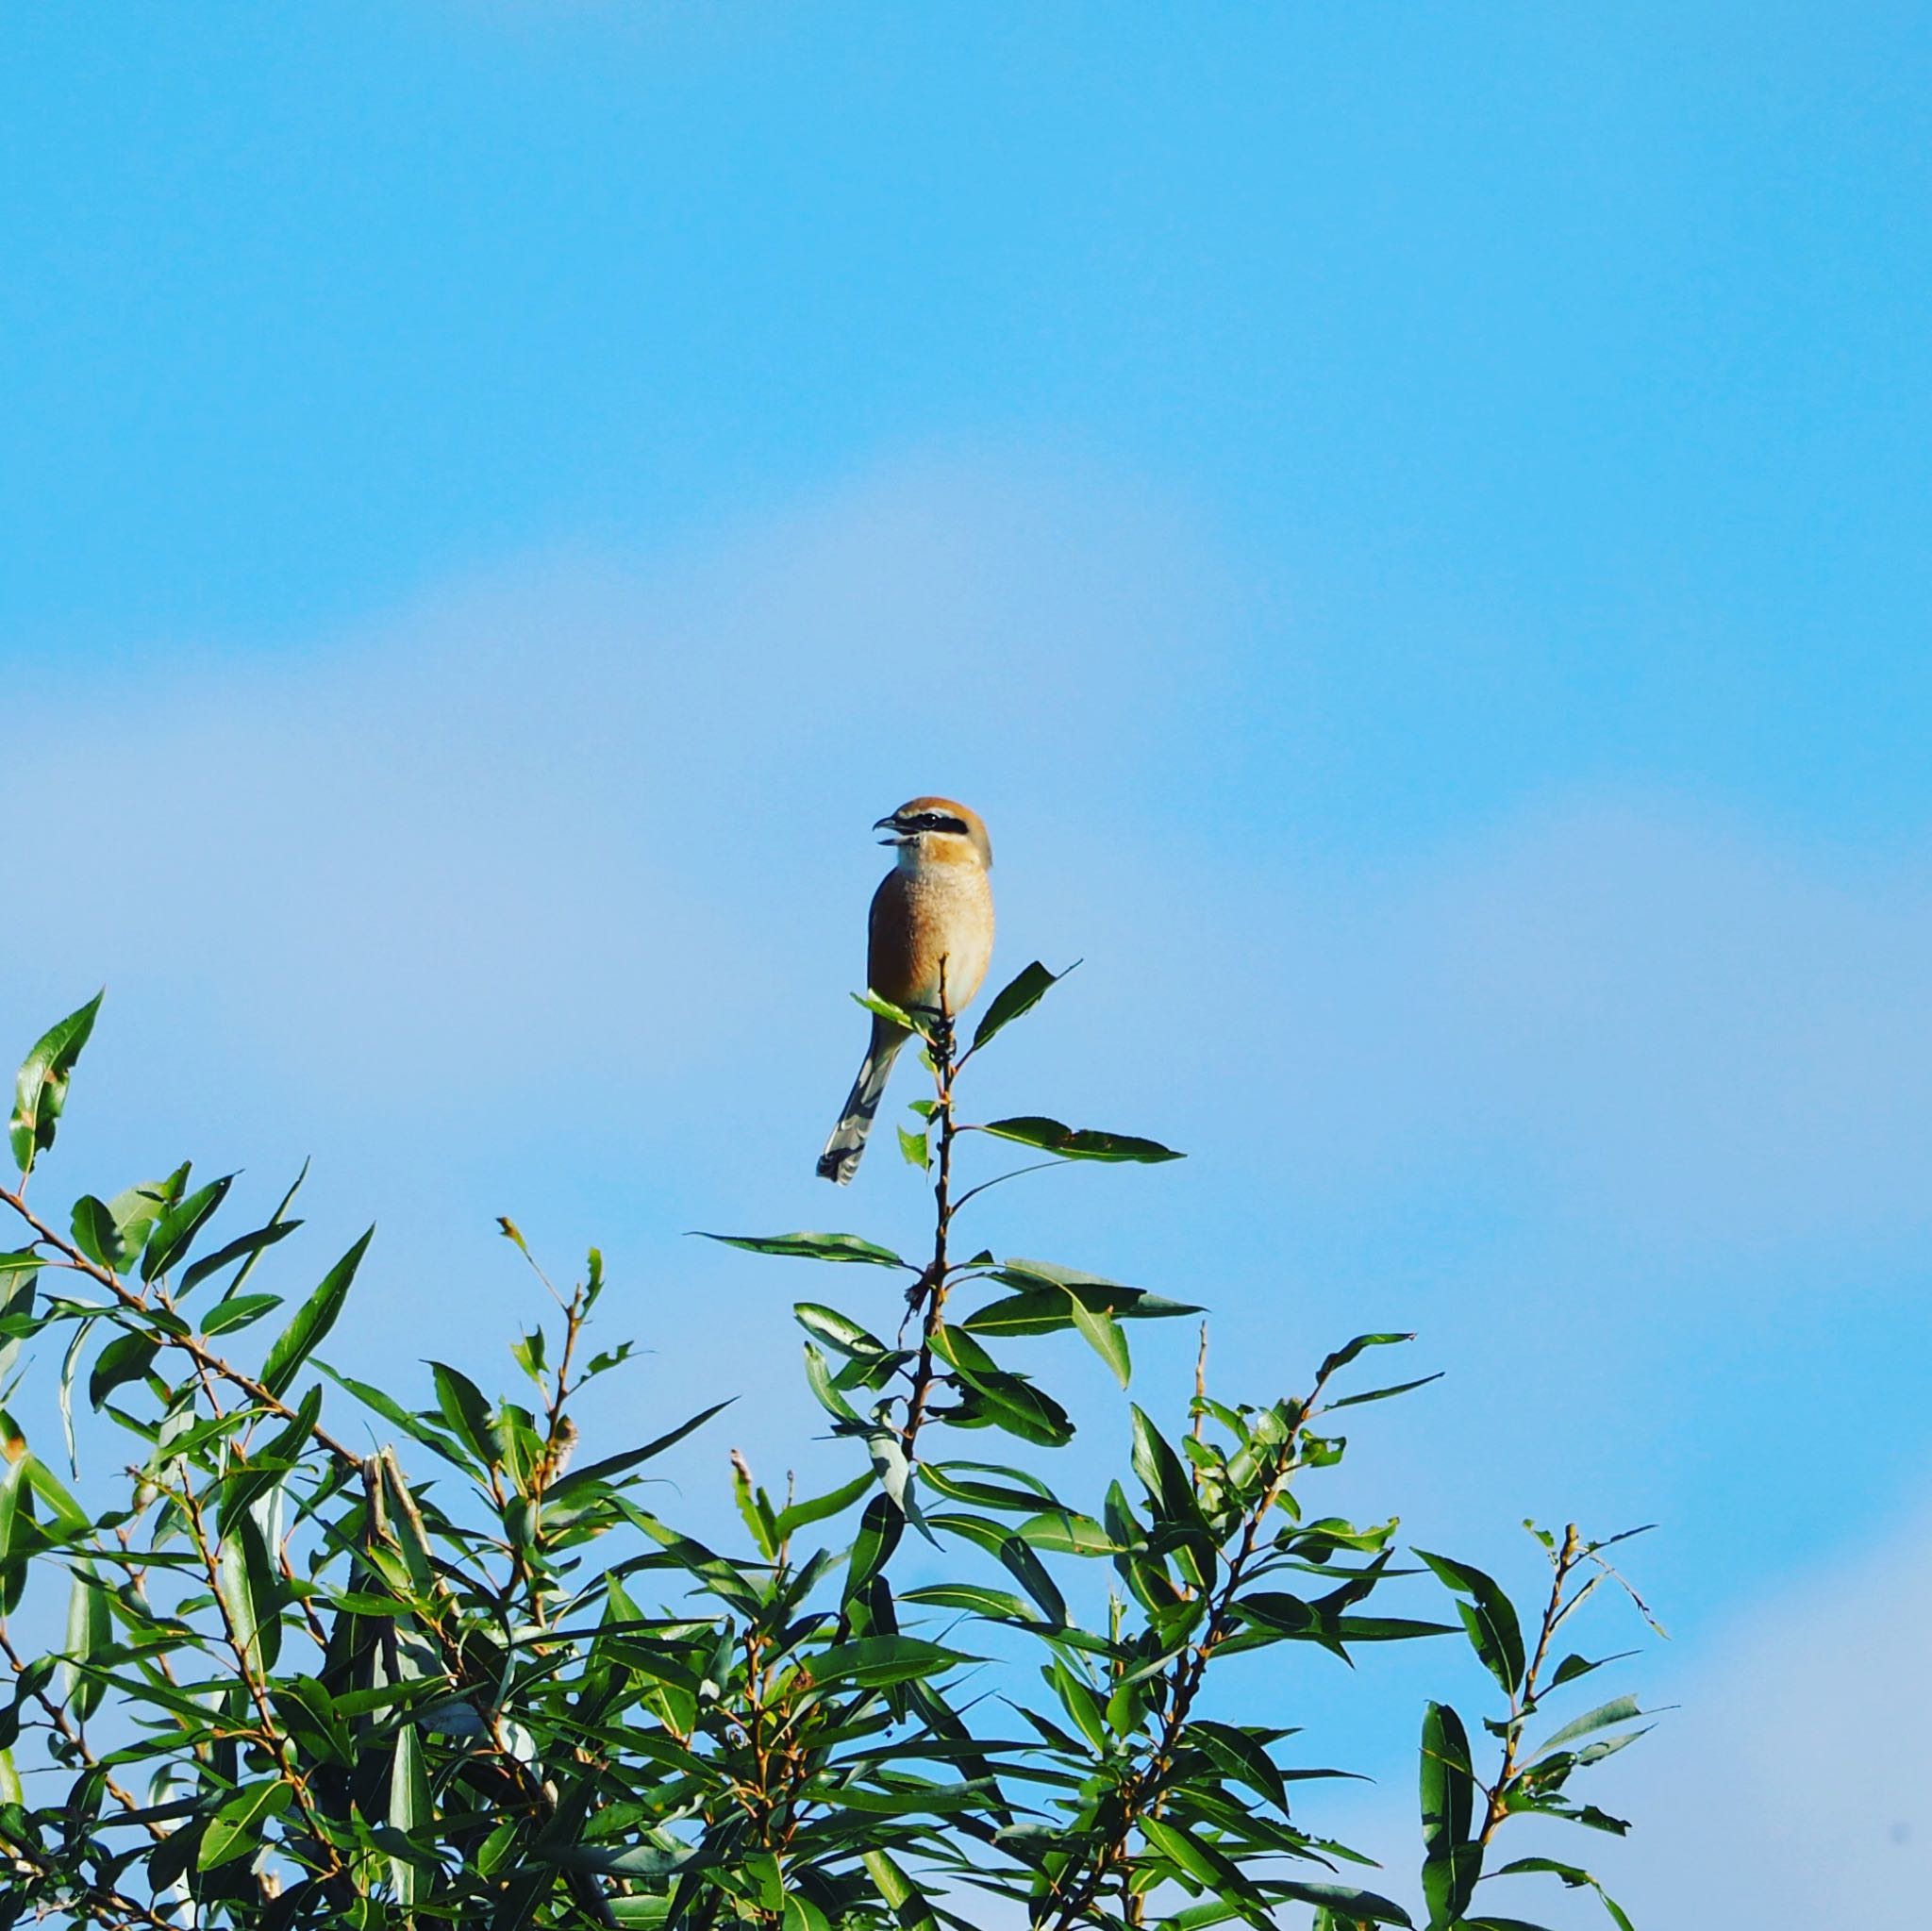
<point>1410,522</point>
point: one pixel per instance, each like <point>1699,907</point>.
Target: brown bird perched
<point>931,927</point>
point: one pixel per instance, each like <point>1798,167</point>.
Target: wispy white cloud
<point>543,893</point>
<point>1792,1791</point>
<point>1641,1010</point>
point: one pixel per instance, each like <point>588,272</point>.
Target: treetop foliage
<point>471,1676</point>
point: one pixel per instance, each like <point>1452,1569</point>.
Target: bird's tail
<point>839,1160</point>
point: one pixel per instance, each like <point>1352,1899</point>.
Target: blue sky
<point>1410,526</point>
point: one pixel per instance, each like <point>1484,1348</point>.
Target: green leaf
<point>1030,1573</point>
<point>1488,1616</point>
<point>74,1519</point>
<point>41,1090</point>
<point>252,1478</point>
<point>1354,1401</point>
<point>797,1515</point>
<point>579,1480</point>
<point>894,1015</point>
<point>1621,1710</point>
<point>1573,1666</point>
<point>615,1861</point>
<point>1163,1474</point>
<point>138,1208</point>
<point>95,1234</point>
<point>465,1411</point>
<point>1212,1868</point>
<point>814,1248</point>
<point>1013,1403</point>
<point>250,1593</point>
<point>236,1828</point>
<point>997,1605</point>
<point>880,1529</point>
<point>238,1310</point>
<point>174,1232</point>
<point>1451,1863</point>
<point>89,1630</point>
<point>907,1902</point>
<point>244,1247</point>
<point>1079,1142</point>
<point>820,1378</point>
<point>312,1321</point>
<point>874,1661</point>
<point>913,1147</point>
<point>1573,1876</point>
<point>1092,1290</point>
<point>837,1331</point>
<point>754,1508</point>
<point>1067,1532</point>
<point>1103,1335</point>
<point>1015,999</point>
<point>1364,1906</point>
<point>1241,1757</point>
<point>410,1811</point>
<point>127,1358</point>
<point>801,1914</point>
<point>1349,1350</point>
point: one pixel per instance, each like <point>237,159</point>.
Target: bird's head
<point>937,831</point>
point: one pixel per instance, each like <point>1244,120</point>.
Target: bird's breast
<point>923,920</point>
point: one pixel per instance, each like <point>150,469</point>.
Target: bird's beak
<point>891,825</point>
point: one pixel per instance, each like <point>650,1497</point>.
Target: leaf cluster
<point>466,1673</point>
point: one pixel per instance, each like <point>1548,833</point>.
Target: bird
<point>929,944</point>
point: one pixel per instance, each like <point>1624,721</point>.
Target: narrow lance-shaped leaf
<point>908,1020</point>
<point>836,1330</point>
<point>465,1410</point>
<point>907,1902</point>
<point>243,1247</point>
<point>1017,997</point>
<point>1104,1335</point>
<point>1079,1142</point>
<point>1349,1350</point>
<point>95,1233</point>
<point>312,1321</point>
<point>880,1529</point>
<point>1621,1710</point>
<point>798,1515</point>
<point>875,1661</point>
<point>250,1595</point>
<point>1488,1615</point>
<point>1451,1862</point>
<point>1575,1877</point>
<point>613,1466</point>
<point>41,1088</point>
<point>236,1826</point>
<point>807,1246</point>
<point>174,1232</point>
<point>89,1631</point>
<point>408,1811</point>
<point>127,1358</point>
<point>1013,1403</point>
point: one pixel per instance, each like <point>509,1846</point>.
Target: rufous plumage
<point>929,944</point>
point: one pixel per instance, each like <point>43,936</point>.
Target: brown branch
<point>270,1737</point>
<point>934,1284</point>
<point>71,1736</point>
<point>203,1356</point>
<point>1143,1792</point>
<point>1562,1561</point>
